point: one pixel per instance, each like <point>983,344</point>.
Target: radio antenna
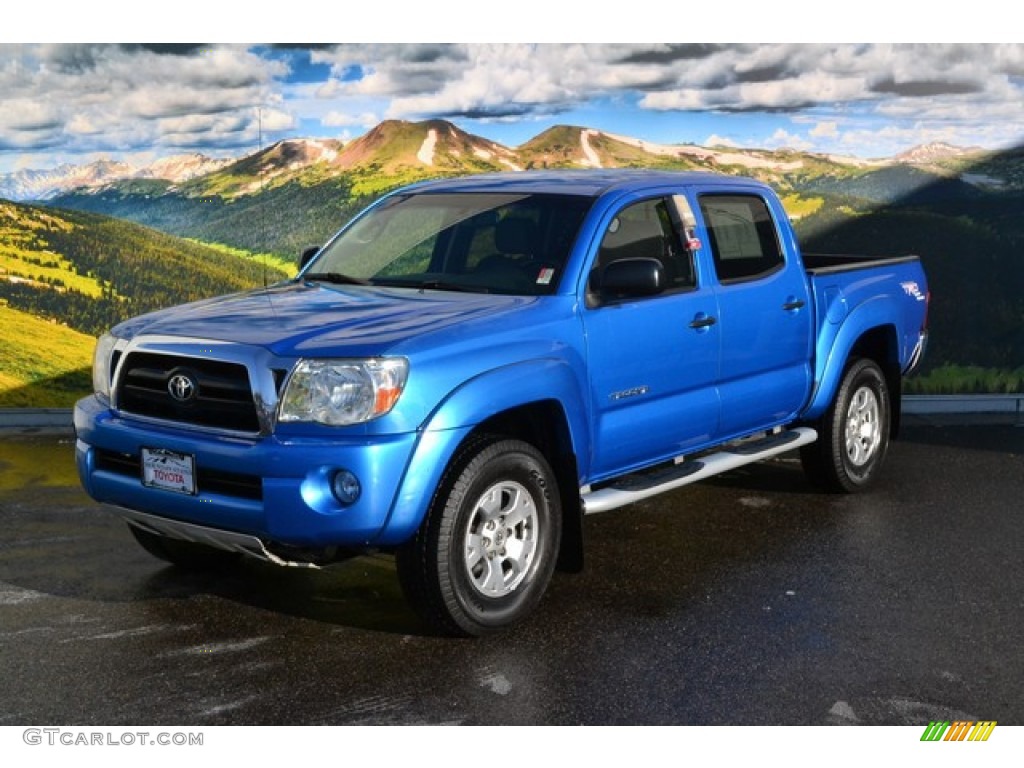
<point>263,223</point>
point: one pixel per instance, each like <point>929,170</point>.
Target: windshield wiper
<point>441,285</point>
<point>433,285</point>
<point>336,277</point>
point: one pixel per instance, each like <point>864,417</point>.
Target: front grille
<point>207,480</point>
<point>222,397</point>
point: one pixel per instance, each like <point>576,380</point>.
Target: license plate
<point>169,470</point>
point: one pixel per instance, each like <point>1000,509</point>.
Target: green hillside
<point>557,147</point>
<point>282,220</point>
<point>896,184</point>
<point>89,271</point>
<point>971,253</point>
<point>45,365</point>
<point>286,161</point>
<point>561,146</point>
<point>66,276</point>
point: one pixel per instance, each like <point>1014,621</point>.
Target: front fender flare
<point>476,400</point>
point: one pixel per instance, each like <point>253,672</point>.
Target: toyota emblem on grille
<point>182,387</point>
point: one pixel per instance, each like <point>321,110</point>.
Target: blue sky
<point>76,102</point>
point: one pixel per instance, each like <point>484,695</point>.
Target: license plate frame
<point>169,470</point>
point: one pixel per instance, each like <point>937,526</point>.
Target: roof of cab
<point>590,183</point>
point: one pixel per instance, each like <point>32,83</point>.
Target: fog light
<point>345,487</point>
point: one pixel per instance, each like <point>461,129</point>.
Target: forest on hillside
<point>107,269</point>
<point>282,220</point>
<point>971,250</point>
<point>67,276</point>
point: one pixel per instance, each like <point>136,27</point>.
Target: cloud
<point>924,88</point>
<point>81,125</point>
<point>668,54</point>
<point>86,98</point>
<point>492,81</point>
<point>336,119</point>
<point>29,116</point>
<point>393,70</point>
<point>827,129</point>
<point>276,120</point>
<point>489,81</point>
<point>889,139</point>
<point>783,139</point>
<point>714,140</point>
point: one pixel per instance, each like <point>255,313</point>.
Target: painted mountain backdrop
<point>85,246</point>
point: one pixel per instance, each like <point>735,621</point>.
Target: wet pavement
<point>750,599</point>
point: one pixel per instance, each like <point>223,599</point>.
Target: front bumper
<point>275,490</point>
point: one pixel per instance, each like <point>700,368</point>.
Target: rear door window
<point>743,238</point>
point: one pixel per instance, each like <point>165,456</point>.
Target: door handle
<point>794,304</point>
<point>703,321</point>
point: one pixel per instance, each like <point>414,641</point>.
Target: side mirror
<point>306,255</point>
<point>632,278</point>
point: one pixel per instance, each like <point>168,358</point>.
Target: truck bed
<point>826,263</point>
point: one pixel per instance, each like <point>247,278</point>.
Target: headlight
<point>101,365</point>
<point>339,392</point>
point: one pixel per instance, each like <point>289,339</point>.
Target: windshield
<point>482,242</point>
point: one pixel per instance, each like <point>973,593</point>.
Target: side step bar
<point>632,488</point>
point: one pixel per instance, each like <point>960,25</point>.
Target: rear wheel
<point>486,550</point>
<point>184,554</point>
<point>853,434</point>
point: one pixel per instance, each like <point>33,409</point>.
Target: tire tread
<point>824,461</point>
<point>423,561</point>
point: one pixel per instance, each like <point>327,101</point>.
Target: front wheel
<point>486,550</point>
<point>853,434</point>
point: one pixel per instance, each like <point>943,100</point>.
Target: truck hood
<point>307,318</point>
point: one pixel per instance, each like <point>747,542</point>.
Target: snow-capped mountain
<point>42,185</point>
<point>397,148</point>
<point>179,168</point>
<point>47,184</point>
<point>931,152</point>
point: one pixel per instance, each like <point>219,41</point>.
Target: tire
<point>853,436</point>
<point>184,554</point>
<point>484,554</point>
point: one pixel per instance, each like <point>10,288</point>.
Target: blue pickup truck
<point>472,365</point>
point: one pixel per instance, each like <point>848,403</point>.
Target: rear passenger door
<point>653,360</point>
<point>764,312</point>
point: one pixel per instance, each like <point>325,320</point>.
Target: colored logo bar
<point>959,730</point>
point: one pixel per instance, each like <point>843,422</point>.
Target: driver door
<point>653,360</point>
